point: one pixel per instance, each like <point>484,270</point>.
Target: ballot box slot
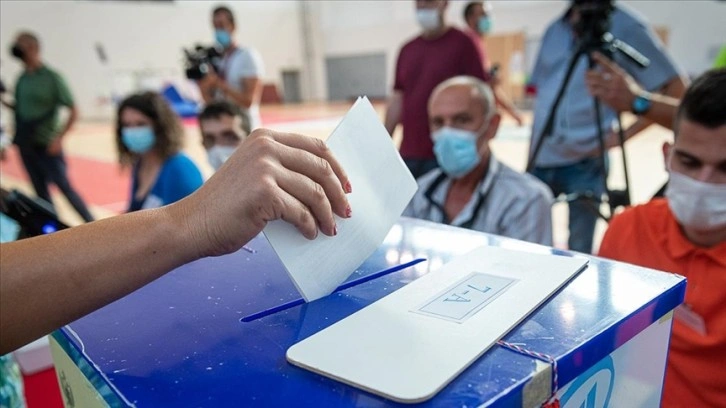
<point>347,285</point>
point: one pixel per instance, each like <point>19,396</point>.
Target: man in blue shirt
<point>569,157</point>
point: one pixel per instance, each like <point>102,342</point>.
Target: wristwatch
<point>641,104</point>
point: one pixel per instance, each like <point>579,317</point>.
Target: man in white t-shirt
<point>239,79</point>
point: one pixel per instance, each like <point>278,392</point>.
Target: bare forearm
<point>72,118</point>
<point>663,110</point>
<point>51,280</point>
<point>638,126</point>
<point>665,104</point>
<point>503,101</point>
<point>207,92</point>
<point>76,272</point>
<point>207,97</point>
<point>240,98</point>
<point>393,113</point>
<point>250,94</point>
<point>675,88</point>
<point>391,122</point>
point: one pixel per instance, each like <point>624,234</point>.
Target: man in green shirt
<point>39,93</point>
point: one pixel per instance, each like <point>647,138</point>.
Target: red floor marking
<point>99,183</point>
<point>102,184</point>
<point>190,122</point>
<point>271,118</point>
<point>42,391</point>
<point>276,119</point>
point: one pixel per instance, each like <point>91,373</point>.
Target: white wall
<point>697,29</point>
<point>357,27</point>
<point>145,39</point>
<point>360,26</point>
<point>140,39</point>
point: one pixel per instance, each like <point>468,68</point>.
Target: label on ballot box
<point>467,297</point>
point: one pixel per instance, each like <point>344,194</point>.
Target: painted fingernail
<point>348,187</point>
<point>348,212</point>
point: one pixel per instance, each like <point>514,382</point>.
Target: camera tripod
<point>607,45</point>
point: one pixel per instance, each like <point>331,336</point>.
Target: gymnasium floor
<point>91,159</point>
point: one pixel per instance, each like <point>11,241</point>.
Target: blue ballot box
<point>214,333</point>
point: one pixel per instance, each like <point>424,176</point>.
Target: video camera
<point>594,20</point>
<point>200,61</point>
<point>592,29</point>
<point>33,215</point>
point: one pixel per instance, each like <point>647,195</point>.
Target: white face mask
<point>695,204</point>
<point>428,19</point>
<point>217,155</point>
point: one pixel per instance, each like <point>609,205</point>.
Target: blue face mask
<point>485,24</point>
<point>456,151</point>
<point>138,140</point>
<point>223,38</point>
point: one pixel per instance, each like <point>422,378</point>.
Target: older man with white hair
<point>472,189</point>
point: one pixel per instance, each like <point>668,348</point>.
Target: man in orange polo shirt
<point>685,233</point>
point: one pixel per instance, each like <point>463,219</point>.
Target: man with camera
<point>569,157</point>
<point>238,78</point>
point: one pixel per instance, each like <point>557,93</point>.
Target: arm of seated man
<point>530,221</point>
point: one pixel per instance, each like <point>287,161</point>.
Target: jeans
<point>582,177</point>
<point>419,167</point>
<point>44,169</point>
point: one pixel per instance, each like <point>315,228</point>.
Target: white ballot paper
<point>412,343</point>
<point>382,188</point>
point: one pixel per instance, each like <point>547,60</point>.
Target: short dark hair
<point>215,110</point>
<point>469,9</point>
<point>29,35</point>
<point>166,124</point>
<point>225,10</point>
<point>705,100</point>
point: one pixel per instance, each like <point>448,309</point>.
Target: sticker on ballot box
<point>465,298</point>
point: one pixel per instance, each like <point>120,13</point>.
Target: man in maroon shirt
<point>439,53</point>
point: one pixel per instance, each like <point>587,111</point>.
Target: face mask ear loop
<point>485,126</point>
<point>669,161</point>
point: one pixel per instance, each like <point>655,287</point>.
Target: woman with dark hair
<point>149,138</point>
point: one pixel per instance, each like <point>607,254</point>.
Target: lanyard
<point>469,223</point>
